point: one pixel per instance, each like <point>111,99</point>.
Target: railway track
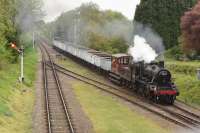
<point>58,116</point>
<point>183,120</point>
<point>181,103</point>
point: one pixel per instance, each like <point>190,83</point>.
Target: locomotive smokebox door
<point>198,74</point>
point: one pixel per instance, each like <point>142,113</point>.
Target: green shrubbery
<point>189,88</point>
<point>184,74</point>
<point>109,45</point>
<point>174,53</point>
<point>183,67</point>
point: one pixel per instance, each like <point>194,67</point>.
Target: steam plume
<point>147,44</point>
<point>142,51</point>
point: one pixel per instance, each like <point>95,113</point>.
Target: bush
<point>110,45</point>
<point>186,80</point>
<point>174,53</point>
<point>183,69</point>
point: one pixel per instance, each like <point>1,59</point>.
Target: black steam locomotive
<point>151,80</point>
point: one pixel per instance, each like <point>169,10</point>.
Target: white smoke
<point>28,14</point>
<point>151,37</point>
<point>141,51</point>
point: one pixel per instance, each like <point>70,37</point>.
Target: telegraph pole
<point>76,24</point>
<point>33,40</point>
<point>75,30</point>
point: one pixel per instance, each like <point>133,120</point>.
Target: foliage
<point>7,13</point>
<point>174,53</point>
<point>186,80</point>
<point>88,23</point>
<point>109,45</point>
<point>13,15</point>
<point>7,29</point>
<point>164,17</point>
<point>190,26</point>
<point>187,68</point>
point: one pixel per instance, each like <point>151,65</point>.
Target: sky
<point>53,8</point>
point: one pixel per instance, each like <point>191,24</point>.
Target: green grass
<point>73,66</point>
<point>110,116</point>
<point>16,99</point>
<point>186,80</point>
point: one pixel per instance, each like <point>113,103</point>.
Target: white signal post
<point>21,51</point>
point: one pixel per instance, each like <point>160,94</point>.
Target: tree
<point>164,17</point>
<point>107,30</point>
<point>11,23</point>
<point>190,27</point>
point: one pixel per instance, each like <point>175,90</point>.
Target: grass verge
<point>73,66</point>
<point>16,100</point>
<point>109,116</point>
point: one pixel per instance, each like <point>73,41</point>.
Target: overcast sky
<point>54,8</point>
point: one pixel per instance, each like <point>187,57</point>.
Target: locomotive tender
<point>151,80</point>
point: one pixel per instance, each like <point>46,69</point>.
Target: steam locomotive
<point>151,80</point>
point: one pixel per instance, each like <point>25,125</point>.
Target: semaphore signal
<point>13,45</point>
<point>21,52</point>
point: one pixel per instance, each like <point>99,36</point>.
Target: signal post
<point>21,52</point>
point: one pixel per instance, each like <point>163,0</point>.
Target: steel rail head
<point>60,93</point>
<point>186,111</point>
<point>46,91</point>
